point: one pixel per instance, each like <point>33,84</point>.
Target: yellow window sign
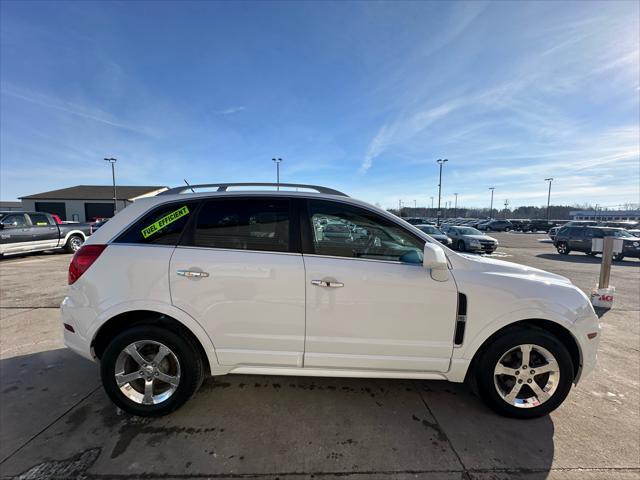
<point>164,221</point>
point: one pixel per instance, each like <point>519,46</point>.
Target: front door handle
<point>192,273</point>
<point>324,283</point>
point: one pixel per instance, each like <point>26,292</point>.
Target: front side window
<point>244,224</point>
<point>14,221</point>
<point>39,220</point>
<point>342,230</point>
<point>162,226</point>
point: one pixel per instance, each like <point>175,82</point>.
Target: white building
<point>83,203</point>
<point>605,215</point>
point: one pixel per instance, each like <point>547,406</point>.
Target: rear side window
<point>39,220</point>
<point>161,226</point>
<point>244,224</point>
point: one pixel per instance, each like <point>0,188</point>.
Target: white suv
<point>181,285</point>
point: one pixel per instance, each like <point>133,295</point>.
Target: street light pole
<point>491,208</point>
<point>277,161</point>
<point>440,162</point>
<point>455,208</point>
<point>113,161</point>
<point>550,179</point>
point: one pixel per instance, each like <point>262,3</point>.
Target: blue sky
<point>361,96</point>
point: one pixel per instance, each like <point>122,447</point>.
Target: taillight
<point>82,260</point>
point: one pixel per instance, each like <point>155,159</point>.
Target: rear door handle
<point>323,283</point>
<point>192,273</point>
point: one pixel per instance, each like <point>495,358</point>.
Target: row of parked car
<point>470,236</point>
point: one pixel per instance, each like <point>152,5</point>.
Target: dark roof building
<point>84,203</point>
<point>10,206</point>
<point>98,192</point>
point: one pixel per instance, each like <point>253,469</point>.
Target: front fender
<point>552,313</point>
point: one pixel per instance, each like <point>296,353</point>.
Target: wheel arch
<point>128,319</point>
<point>563,334</point>
<point>78,233</point>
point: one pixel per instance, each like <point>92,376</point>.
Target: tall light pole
<point>440,162</point>
<point>277,161</point>
<point>506,205</point>
<point>113,161</point>
<point>400,208</point>
<point>491,208</point>
<point>455,208</point>
<point>550,179</point>
<point>415,205</point>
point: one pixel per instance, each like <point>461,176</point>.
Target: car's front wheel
<point>150,371</point>
<point>461,246</point>
<point>563,248</point>
<point>524,374</point>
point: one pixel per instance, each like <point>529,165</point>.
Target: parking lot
<point>57,422</point>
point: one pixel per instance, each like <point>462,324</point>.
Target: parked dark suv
<point>579,238</point>
<point>496,226</point>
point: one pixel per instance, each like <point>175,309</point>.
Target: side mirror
<point>435,260</point>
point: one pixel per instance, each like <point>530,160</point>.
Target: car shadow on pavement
<point>583,258</point>
<point>59,419</point>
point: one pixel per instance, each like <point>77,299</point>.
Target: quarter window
<point>244,224</point>
<point>346,231</point>
<point>163,226</point>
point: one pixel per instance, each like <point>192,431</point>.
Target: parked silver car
<point>468,239</point>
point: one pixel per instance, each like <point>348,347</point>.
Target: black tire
<point>187,353</point>
<point>74,242</point>
<point>619,257</point>
<point>461,247</point>
<point>494,351</point>
<point>563,248</point>
<point>591,254</point>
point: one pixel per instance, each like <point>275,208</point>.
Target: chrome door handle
<point>192,273</point>
<point>323,283</point>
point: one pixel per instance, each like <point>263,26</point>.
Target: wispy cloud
<point>230,111</point>
<point>72,108</point>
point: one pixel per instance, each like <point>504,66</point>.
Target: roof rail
<point>222,187</point>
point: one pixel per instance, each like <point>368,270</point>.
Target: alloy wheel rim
<point>147,372</point>
<point>75,243</point>
<point>526,376</point>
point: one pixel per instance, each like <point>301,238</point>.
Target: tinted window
<point>38,219</point>
<point>244,224</point>
<point>14,221</point>
<point>162,226</point>
<point>342,230</point>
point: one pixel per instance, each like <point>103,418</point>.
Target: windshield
<point>430,230</point>
<point>469,231</point>
<point>621,234</point>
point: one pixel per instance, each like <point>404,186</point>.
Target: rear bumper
<point>75,340</point>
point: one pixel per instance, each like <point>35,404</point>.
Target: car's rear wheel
<point>563,248</point>
<point>619,257</point>
<point>74,243</point>
<point>525,374</point>
<point>151,371</point>
<point>461,246</point>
